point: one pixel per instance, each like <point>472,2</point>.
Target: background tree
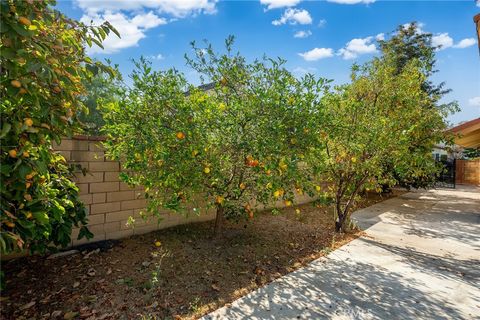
<point>371,122</point>
<point>238,143</point>
<point>102,88</point>
<point>43,63</point>
<point>471,153</point>
<point>409,43</point>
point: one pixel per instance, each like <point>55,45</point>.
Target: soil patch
<point>187,276</point>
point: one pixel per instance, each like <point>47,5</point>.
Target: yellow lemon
<point>16,83</point>
<point>318,188</point>
<point>12,153</point>
<point>28,122</point>
<point>158,243</point>
<point>288,203</point>
<point>24,21</point>
<point>180,135</point>
<point>206,170</point>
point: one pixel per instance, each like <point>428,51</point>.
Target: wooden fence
<point>467,172</point>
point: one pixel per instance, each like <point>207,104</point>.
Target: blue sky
<point>320,37</point>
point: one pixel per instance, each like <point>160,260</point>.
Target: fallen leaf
<point>215,287</point>
<point>76,284</point>
<point>28,305</point>
<point>70,315</point>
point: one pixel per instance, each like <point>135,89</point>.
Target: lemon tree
<point>238,144</point>
<point>371,122</point>
<point>43,62</point>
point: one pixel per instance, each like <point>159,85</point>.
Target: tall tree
<point>409,42</point>
<point>239,144</point>
<point>371,122</point>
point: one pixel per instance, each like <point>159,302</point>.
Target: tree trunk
<point>339,224</point>
<point>218,220</point>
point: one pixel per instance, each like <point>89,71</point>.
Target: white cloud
<point>274,4</point>
<point>380,37</point>
<point>132,30</point>
<point>178,8</point>
<point>148,20</point>
<point>156,57</point>
<point>352,1</point>
<point>317,54</point>
<point>302,34</point>
<point>442,41</point>
<point>294,16</point>
<point>465,43</point>
<point>474,102</point>
<point>322,23</point>
<point>356,47</point>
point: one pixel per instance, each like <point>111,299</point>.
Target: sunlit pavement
<point>419,259</point>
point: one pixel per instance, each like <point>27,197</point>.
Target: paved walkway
<point>420,259</point>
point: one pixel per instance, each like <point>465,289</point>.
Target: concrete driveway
<point>419,259</point>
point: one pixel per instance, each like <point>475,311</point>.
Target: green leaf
<point>5,129</point>
<point>41,217</point>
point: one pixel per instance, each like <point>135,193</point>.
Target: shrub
<point>43,63</point>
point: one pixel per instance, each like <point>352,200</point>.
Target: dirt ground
<point>190,274</point>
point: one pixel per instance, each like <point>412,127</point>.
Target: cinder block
<point>104,187</point>
<point>111,226</point>
<point>71,144</point>
<point>104,207</point>
<point>89,177</point>
<point>96,218</point>
<point>99,197</point>
<point>107,166</point>
<point>83,188</point>
<point>86,198</point>
<point>112,176</point>
<point>120,196</point>
<point>66,154</point>
<point>118,215</point>
<point>146,229</point>
<point>124,187</point>
<point>119,234</point>
<point>134,204</point>
<point>95,146</point>
<point>90,156</point>
<point>78,166</point>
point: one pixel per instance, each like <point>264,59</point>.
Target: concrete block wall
<point>109,201</point>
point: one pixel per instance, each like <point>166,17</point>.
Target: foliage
<point>43,61</point>
<point>471,153</point>
<point>409,43</point>
<point>243,141</point>
<point>372,122</point>
<point>101,89</point>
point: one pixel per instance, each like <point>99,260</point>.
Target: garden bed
<point>187,276</point>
